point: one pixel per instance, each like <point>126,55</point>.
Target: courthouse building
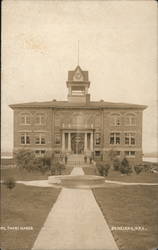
<point>79,125</point>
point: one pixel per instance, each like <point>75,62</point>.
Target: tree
<point>125,167</point>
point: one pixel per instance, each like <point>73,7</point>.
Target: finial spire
<point>78,52</point>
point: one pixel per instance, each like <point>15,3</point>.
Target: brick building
<point>79,125</point>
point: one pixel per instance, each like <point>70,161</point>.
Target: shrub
<point>116,164</point>
<point>138,169</point>
<point>125,167</point>
<point>42,164</point>
<point>53,170</point>
<point>25,159</point>
<point>103,168</point>
<point>57,168</point>
<point>10,183</point>
<point>146,167</point>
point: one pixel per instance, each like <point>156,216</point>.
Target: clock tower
<point>78,85</point>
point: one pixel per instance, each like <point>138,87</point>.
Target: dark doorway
<point>77,143</point>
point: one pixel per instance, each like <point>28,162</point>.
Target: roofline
<point>127,106</point>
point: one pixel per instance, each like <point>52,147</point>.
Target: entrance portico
<point>77,142</point>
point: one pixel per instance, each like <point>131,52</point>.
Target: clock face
<point>78,75</point>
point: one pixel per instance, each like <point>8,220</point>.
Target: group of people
<point>87,159</point>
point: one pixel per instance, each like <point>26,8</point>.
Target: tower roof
<point>77,69</point>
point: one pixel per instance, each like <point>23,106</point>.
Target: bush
<point>138,169</point>
<point>116,164</point>
<point>25,159</point>
<point>10,183</point>
<point>42,164</point>
<point>57,168</point>
<point>125,168</point>
<point>103,168</point>
<point>146,167</point>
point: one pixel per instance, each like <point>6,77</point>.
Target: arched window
<point>115,119</point>
<point>25,119</point>
<point>130,119</point>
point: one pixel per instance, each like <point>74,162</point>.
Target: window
<point>130,153</point>
<point>40,119</point>
<point>115,138</point>
<point>97,139</point>
<point>57,139</point>
<point>40,139</point>
<point>130,120</point>
<point>117,153</point>
<point>25,119</point>
<point>130,138</point>
<point>97,153</point>
<point>116,120</point>
<point>25,139</point>
<point>40,153</point>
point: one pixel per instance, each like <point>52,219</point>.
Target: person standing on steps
<point>65,159</point>
<point>90,159</point>
<point>85,158</point>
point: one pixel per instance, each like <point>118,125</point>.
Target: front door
<point>77,143</point>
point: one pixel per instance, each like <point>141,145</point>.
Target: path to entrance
<point>75,223</point>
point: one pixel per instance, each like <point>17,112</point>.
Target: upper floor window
<point>115,138</point>
<point>25,119</point>
<point>115,120</point>
<point>98,139</point>
<point>40,119</point>
<point>130,120</point>
<point>40,139</point>
<point>57,139</point>
<point>130,139</point>
<point>25,138</point>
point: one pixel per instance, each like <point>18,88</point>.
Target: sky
<point>118,47</point>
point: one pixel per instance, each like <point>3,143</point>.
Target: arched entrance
<point>77,143</point>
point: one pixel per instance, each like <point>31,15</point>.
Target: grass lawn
<point>131,206</point>
<point>24,206</point>
<point>116,176</point>
<point>23,175</point>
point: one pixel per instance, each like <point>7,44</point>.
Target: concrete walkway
<point>75,223</point>
<point>132,183</point>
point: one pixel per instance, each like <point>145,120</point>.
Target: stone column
<point>85,142</point>
<point>69,142</point>
<point>63,142</point>
<point>91,142</point>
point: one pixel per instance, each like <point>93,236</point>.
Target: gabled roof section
<point>72,73</point>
